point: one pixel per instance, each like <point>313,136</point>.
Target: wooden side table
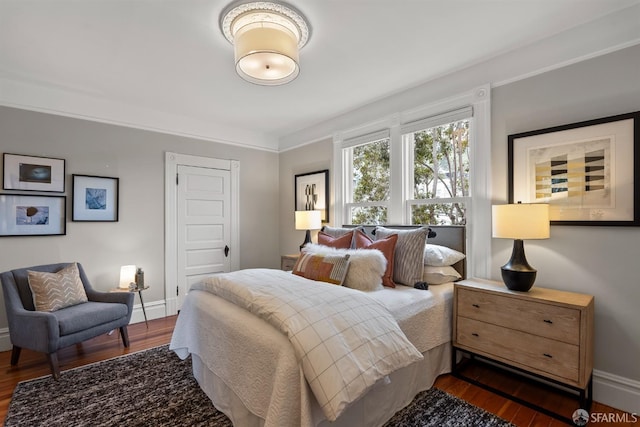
<point>287,262</point>
<point>545,333</point>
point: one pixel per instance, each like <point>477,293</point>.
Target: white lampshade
<point>521,221</point>
<point>308,220</point>
<point>266,37</point>
<point>127,276</point>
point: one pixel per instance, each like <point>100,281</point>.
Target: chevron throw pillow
<point>53,291</point>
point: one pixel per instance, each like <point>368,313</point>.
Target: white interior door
<point>203,225</point>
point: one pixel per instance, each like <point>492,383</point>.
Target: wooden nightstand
<point>545,333</point>
<point>287,262</point>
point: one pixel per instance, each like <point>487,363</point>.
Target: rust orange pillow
<point>341,242</point>
<point>387,246</point>
<point>325,268</point>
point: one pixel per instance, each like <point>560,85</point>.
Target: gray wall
<point>309,158</point>
<point>600,261</point>
<point>137,158</point>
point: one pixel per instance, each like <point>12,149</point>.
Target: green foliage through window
<point>441,170</point>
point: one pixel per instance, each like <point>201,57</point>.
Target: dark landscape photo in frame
<point>96,198</point>
<point>35,173</point>
<point>32,215</point>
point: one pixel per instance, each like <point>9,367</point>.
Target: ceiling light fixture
<point>266,37</point>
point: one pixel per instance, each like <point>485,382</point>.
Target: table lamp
<point>308,220</point>
<point>127,276</point>
<point>519,222</point>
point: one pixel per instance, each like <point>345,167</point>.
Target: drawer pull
<point>548,355</point>
<point>476,305</point>
<point>548,321</point>
<point>475,335</point>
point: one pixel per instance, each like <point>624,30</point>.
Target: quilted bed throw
<point>345,340</point>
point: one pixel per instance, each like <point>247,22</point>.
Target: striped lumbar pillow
<point>53,291</point>
<point>324,268</point>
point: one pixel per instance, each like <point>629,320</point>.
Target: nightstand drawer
<point>287,262</point>
<point>519,348</point>
<point>538,318</point>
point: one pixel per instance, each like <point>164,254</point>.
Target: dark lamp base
<point>517,274</point>
<point>520,281</point>
<point>307,239</point>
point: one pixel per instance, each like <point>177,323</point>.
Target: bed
<point>256,375</point>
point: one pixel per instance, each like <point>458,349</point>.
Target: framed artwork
<point>586,171</point>
<point>311,192</point>
<point>31,173</point>
<point>22,215</point>
<point>95,198</point>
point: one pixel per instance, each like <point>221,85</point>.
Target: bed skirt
<point>373,409</point>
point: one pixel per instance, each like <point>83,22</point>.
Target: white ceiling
<point>164,64</point>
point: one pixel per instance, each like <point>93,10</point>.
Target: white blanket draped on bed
<point>345,340</point>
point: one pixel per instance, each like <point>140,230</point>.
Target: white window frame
<point>478,205</point>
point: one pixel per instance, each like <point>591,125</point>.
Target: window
<point>368,178</point>
<point>439,168</point>
<point>428,165</point>
<point>436,167</point>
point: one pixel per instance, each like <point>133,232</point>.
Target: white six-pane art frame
<point>33,173</point>
<point>95,198</point>
<point>26,215</point>
<point>586,171</point>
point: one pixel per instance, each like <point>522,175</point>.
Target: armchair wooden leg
<point>15,355</point>
<point>125,336</point>
<point>53,364</point>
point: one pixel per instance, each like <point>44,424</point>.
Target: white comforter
<point>345,340</point>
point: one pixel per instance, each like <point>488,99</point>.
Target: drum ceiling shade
<point>267,37</point>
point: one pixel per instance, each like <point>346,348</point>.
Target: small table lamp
<point>127,276</point>
<point>519,222</point>
<point>308,220</point>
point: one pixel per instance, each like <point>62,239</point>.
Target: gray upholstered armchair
<point>49,331</point>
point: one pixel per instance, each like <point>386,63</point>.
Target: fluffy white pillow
<point>366,266</point>
<point>439,275</point>
<point>441,256</point>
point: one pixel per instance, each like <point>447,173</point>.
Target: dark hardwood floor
<point>33,365</point>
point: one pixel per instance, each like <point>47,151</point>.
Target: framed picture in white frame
<point>27,215</point>
<point>33,173</point>
<point>95,198</point>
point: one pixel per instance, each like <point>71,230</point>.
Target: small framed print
<point>95,198</point>
<point>312,192</point>
<point>31,173</point>
<point>22,215</point>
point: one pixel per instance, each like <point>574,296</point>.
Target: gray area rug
<point>155,388</point>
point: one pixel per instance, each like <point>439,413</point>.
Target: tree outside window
<point>440,171</point>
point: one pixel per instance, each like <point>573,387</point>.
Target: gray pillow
<point>408,259</point>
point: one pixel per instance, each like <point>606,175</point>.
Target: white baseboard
<point>616,391</point>
<point>154,309</point>
<point>5,341</point>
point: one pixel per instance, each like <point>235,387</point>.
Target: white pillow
<point>440,275</point>
<point>441,256</point>
<point>366,266</point>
